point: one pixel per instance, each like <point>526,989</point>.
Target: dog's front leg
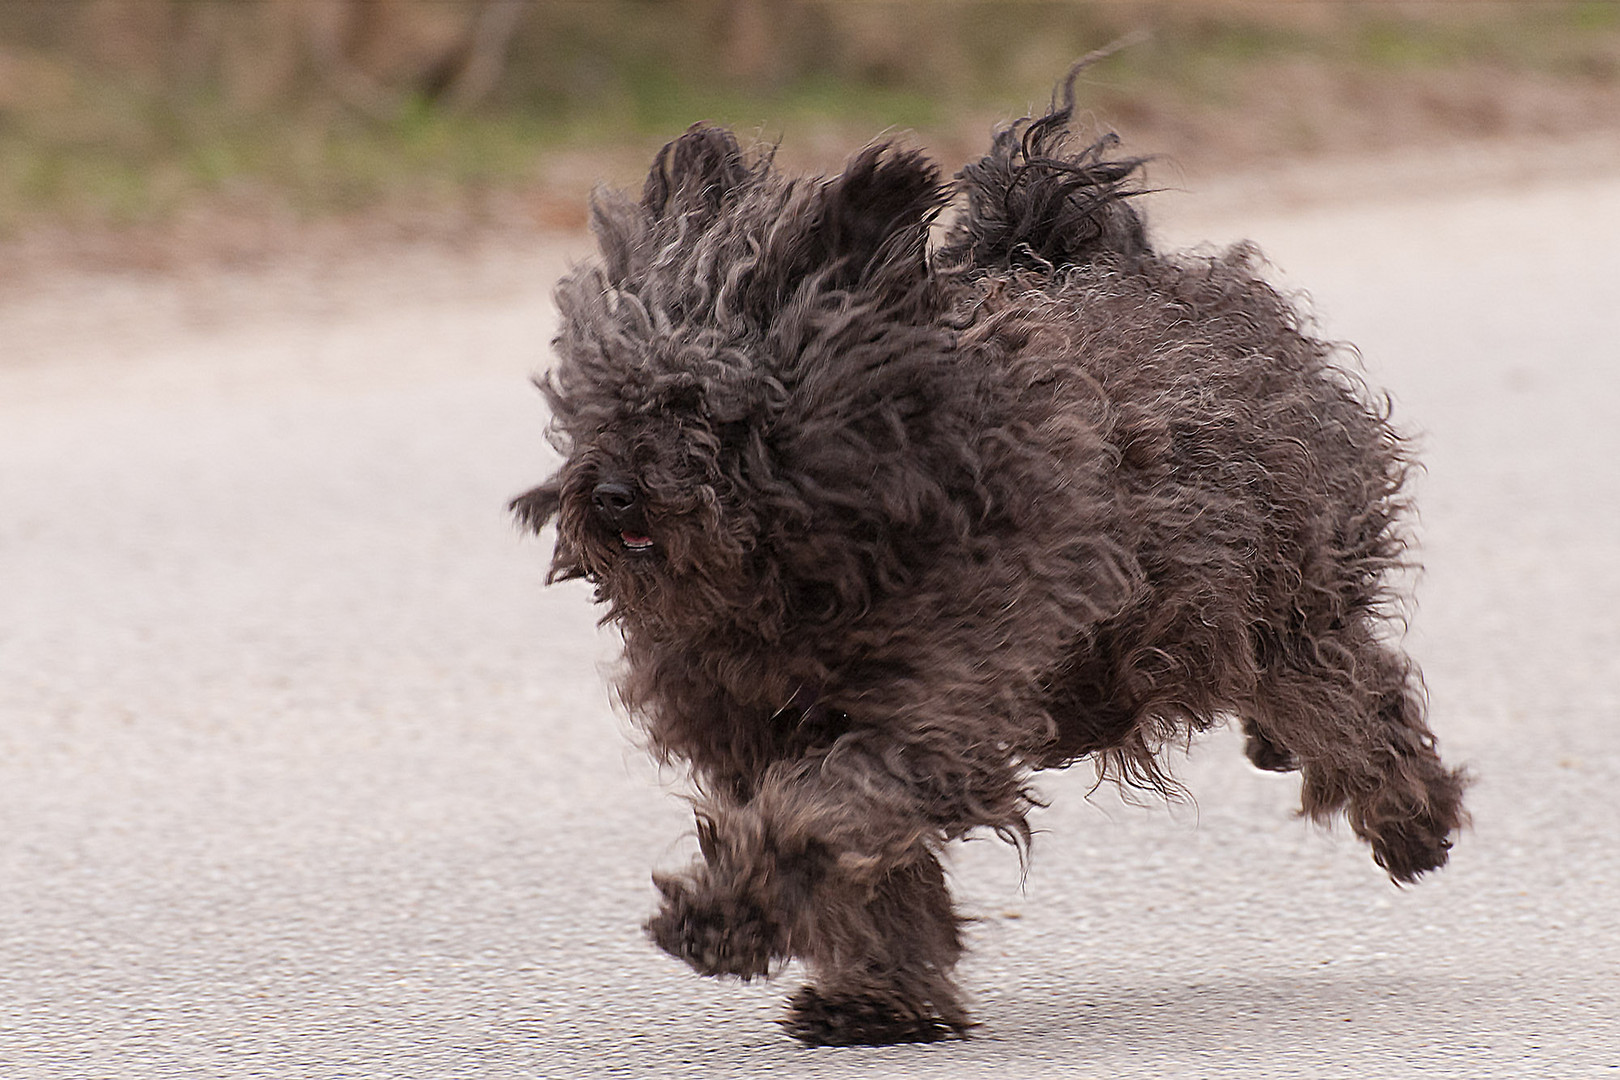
<point>724,916</point>
<point>834,860</point>
<point>772,867</point>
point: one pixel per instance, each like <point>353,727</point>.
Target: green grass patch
<point>90,132</point>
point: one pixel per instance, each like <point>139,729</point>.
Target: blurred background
<point>149,130</point>
<point>304,774</point>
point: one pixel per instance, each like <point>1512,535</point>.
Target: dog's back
<point>1253,492</point>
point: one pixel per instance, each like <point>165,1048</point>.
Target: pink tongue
<point>635,540</point>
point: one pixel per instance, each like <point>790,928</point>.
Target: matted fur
<point>887,531</point>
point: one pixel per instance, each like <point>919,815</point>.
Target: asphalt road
<point>304,774</point>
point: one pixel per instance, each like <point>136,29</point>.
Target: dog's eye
<point>733,434</point>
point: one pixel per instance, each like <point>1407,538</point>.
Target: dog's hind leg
<point>1349,710</point>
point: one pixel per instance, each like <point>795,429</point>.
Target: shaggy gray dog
<point>888,529</point>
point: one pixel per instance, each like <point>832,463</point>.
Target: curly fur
<point>886,531</point>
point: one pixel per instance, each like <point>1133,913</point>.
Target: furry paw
<point>1409,840</point>
<point>1410,849</point>
<point>717,934</point>
<point>864,1020</point>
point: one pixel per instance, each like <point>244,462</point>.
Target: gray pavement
<point>303,774</point>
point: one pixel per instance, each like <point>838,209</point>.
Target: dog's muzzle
<point>619,508</point>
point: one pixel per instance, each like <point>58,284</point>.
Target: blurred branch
<point>461,75</point>
<point>485,53</point>
<point>328,29</point>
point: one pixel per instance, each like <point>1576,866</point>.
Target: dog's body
<point>886,531</point>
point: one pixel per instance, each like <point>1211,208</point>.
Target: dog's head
<point>727,365</point>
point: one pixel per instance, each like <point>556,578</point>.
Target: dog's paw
<point>1411,834</point>
<point>864,1020</point>
<point>1407,850</point>
<point>717,934</point>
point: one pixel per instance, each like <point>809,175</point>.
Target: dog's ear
<point>875,215</point>
<point>865,229</point>
<point>617,223</point>
<point>537,506</point>
<point>694,172</point>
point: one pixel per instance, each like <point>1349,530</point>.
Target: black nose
<point>613,499</point>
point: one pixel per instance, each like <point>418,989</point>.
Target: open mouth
<point>636,543</point>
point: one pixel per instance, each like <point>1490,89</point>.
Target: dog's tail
<point>1034,202</point>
